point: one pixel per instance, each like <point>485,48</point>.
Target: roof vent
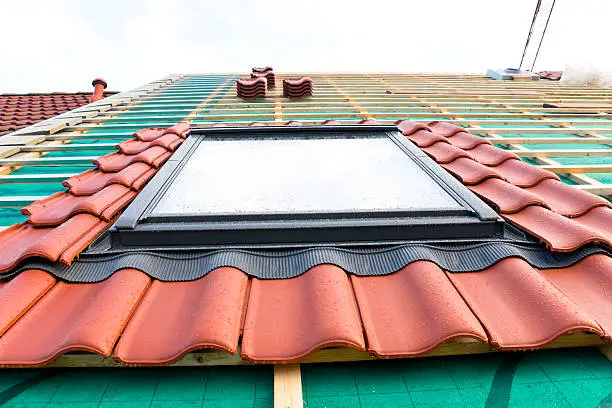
<point>99,85</point>
<point>508,74</point>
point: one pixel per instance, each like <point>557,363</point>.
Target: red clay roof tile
<point>444,128</point>
<point>397,311</point>
<point>287,319</point>
<point>558,232</point>
<point>408,127</point>
<point>490,155</point>
<point>443,152</point>
<point>588,284</point>
<point>20,293</point>
<point>59,207</point>
<point>523,174</point>
<point>466,141</point>
<point>566,200</point>
<point>505,197</point>
<point>177,317</point>
<point>114,162</point>
<point>22,241</point>
<point>518,307</point>
<point>424,138</point>
<point>471,172</point>
<point>85,316</point>
<point>169,141</point>
<point>92,181</point>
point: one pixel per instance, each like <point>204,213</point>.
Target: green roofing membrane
<point>580,377</point>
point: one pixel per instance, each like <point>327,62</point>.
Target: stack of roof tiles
<point>143,321</point>
<point>18,111</point>
<point>551,75</point>
<point>297,88</point>
<point>252,88</point>
<point>267,73</point>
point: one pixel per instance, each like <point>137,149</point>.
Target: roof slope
<point>18,111</point>
<point>139,320</point>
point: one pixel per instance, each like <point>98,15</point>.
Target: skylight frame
<point>140,226</point>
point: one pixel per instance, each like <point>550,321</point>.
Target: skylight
<point>297,185</point>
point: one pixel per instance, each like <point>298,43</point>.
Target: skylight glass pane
<point>264,176</point>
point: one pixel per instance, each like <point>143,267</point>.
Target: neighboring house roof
<point>20,110</point>
<point>143,321</point>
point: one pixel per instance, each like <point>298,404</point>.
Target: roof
<point>20,110</point>
<point>139,320</point>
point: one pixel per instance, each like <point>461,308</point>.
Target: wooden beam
<point>563,153</point>
<point>288,386</point>
<point>550,140</point>
<point>607,351</point>
<point>459,346</point>
<point>583,168</point>
<point>599,189</point>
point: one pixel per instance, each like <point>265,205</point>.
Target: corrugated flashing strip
<point>179,266</point>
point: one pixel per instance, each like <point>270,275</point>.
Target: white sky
<point>61,45</point>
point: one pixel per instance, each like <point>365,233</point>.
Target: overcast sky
<point>61,45</point>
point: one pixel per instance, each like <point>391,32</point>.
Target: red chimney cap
<point>99,81</point>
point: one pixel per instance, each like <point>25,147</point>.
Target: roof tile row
<point>140,321</point>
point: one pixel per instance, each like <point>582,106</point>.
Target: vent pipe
<point>99,85</point>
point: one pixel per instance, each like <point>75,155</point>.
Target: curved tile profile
<point>59,207</point>
<point>70,317</point>
<point>134,146</point>
<point>289,318</point>
<point>252,88</point>
<point>114,162</point>
<point>558,232</point>
<point>445,129</point>
<point>270,78</point>
<point>262,69</point>
<point>423,138</point>
<point>181,129</point>
<point>23,241</point>
<point>522,174</point>
<point>297,88</point>
<point>20,293</point>
<point>90,182</point>
<point>598,219</point>
<point>368,121</point>
<point>490,155</point>
<point>566,200</point>
<point>174,318</point>
<point>294,123</point>
<point>505,197</point>
<point>467,141</point>
<point>588,283</point>
<point>471,172</point>
<point>443,152</point>
<point>520,308</point>
<point>331,122</point>
<point>408,127</point>
<point>397,311</point>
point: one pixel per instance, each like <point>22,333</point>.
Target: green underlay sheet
<point>564,378</point>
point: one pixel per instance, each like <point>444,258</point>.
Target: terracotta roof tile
<point>561,233</point>
<point>177,317</point>
<point>471,172</point>
<point>113,162</point>
<point>59,207</point>
<point>445,129</point>
<point>551,75</point>
<point>270,78</point>
<point>169,141</point>
<point>82,316</point>
<point>22,241</point>
<point>252,88</point>
<point>408,127</point>
<point>490,155</point>
<point>297,88</point>
<point>424,138</point>
<point>20,293</point>
<point>523,174</point>
<point>566,200</point>
<point>287,319</point>
<point>466,141</point>
<point>395,308</point>
<point>519,308</point>
<point>588,284</point>
<point>443,152</point>
<point>92,181</point>
<point>505,197</point>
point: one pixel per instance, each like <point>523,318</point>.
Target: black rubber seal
<point>179,266</point>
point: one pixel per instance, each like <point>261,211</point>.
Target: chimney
<point>99,85</point>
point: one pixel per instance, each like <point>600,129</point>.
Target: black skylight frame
<point>139,227</point>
